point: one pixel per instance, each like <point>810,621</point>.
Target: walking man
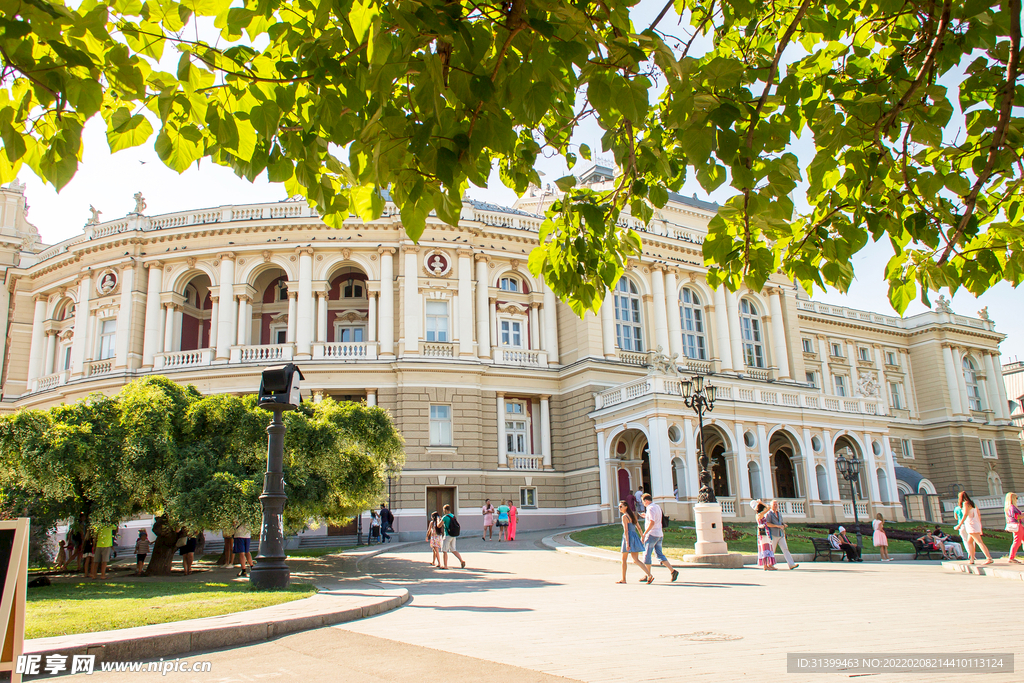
<point>639,499</point>
<point>387,518</point>
<point>654,535</point>
<point>451,532</point>
<point>241,548</point>
<point>777,532</point>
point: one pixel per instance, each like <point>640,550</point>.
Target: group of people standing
<point>506,515</point>
<point>442,534</point>
<point>92,545</point>
<point>648,541</point>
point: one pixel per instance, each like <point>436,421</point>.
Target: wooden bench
<point>926,550</point>
<point>824,549</point>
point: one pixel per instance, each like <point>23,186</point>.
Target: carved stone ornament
<point>346,253</point>
<point>140,202</point>
<point>660,363</point>
<point>514,263</point>
<point>943,305</point>
<point>95,218</point>
<point>512,309</point>
<point>266,256</point>
<point>66,334</point>
<point>867,385</point>
<point>241,261</point>
<point>983,313</point>
<point>437,264</point>
<point>351,317</point>
<point>106,282</point>
<point>191,261</point>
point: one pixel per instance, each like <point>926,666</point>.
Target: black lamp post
<point>849,468</point>
<point>700,396</point>
<point>279,391</point>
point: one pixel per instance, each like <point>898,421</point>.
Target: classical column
<point>545,430</point>
<point>830,466</point>
<point>660,307</point>
<point>411,300</point>
<point>502,454</point>
<point>387,301</point>
<point>371,398</point>
<point>869,460</point>
<point>371,315</point>
<point>892,495</point>
<point>826,371</point>
<point>153,337</point>
<point>608,324</point>
<point>767,486</point>
<point>38,348</point>
<point>534,326</point>
<point>168,327</point>
<point>225,322</point>
<point>692,486</point>
<point>778,334</point>
<point>51,353</point>
<point>124,317</point>
<point>660,459</point>
<point>742,469</point>
<point>244,320</point>
<point>958,367</point>
<point>735,339</point>
<point>909,390</point>
<point>810,472</point>
<point>1004,403</point>
<point>991,390</point>
<point>304,312</point>
<point>951,382</point>
<point>293,306</point>
<point>883,383</point>
<point>675,326</point>
<point>550,314</point>
<point>214,320</point>
<point>321,316</point>
<point>483,316</point>
<point>602,473</point>
<point>79,345</point>
<point>723,344</point>
<point>179,315</point>
<point>492,315</point>
<point>465,312</point>
<point>6,288</point>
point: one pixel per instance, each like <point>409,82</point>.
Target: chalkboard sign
<point>13,584</point>
<point>6,545</point>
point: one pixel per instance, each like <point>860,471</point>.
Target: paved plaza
<point>523,612</point>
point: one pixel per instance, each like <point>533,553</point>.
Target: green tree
<point>908,104</point>
<point>196,462</point>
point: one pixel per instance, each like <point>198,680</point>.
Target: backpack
<point>453,526</point>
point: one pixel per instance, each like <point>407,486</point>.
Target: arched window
<point>971,379</point>
<point>509,284</point>
<point>691,317</point>
<point>628,326</point>
<point>351,289</point>
<point>995,485</point>
<point>282,290</point>
<point>750,330</point>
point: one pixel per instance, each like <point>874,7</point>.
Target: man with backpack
<point>387,519</point>
<point>451,532</point>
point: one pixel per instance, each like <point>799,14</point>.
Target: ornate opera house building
<point>498,388</point>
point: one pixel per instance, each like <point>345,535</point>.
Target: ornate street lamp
<point>849,468</point>
<point>700,396</point>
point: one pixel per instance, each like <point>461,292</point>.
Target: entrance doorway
<point>438,497</point>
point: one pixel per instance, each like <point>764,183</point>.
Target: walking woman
<point>958,513</point>
<point>1014,524</point>
<point>434,538</point>
<point>765,556</point>
<point>513,517</point>
<point>971,524</point>
<point>488,512</point>
<point>631,543</point>
<point>879,539</point>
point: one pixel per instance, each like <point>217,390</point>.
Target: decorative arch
<point>926,486</point>
<point>821,477</point>
<point>995,484</point>
<point>693,322</point>
<point>883,484</point>
<point>971,369</point>
<point>753,341</point>
<point>505,269</point>
<point>617,431</point>
<point>324,270</point>
<point>179,280</point>
<point>58,309</point>
<point>255,266</point>
<point>721,429</point>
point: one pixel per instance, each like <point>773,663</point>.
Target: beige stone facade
<point>499,390</point>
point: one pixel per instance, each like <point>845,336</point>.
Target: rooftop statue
<point>140,203</point>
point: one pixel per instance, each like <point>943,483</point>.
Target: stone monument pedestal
<point>711,549</point>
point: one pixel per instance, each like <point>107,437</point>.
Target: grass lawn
<point>67,608</point>
<point>680,541</point>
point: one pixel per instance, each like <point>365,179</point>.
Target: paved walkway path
<point>523,605</point>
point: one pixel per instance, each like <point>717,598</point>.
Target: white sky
<point>108,182</point>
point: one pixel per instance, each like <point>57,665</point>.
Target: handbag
<point>182,540</point>
<point>1013,527</point>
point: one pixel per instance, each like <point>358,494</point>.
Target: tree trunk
<point>200,545</point>
<point>227,550</point>
<point>163,548</point>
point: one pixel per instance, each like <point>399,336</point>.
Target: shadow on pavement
<point>467,608</point>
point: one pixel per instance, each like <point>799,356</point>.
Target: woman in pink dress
<point>488,513</point>
<point>879,539</point>
<point>971,524</point>
<point>513,517</point>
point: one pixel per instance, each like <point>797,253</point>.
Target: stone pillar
<point>465,312</point>
<point>168,327</point>
<point>244,320</point>
<point>534,326</point>
<point>735,338</point>
<point>779,334</point>
<point>830,466</point>
<point>660,307</point>
<point>214,320</point>
<point>411,301</point>
<point>225,321</point>
<point>826,372</point>
<point>502,454</point>
<point>692,485</point>
<point>179,314</point>
<point>79,345</point>
<point>951,382</point>
<point>892,495</point>
<point>371,398</point>
<point>608,324</point>
<point>545,430</point>
<point>742,469</point>
<point>122,342</point>
<point>492,319</point>
<point>869,461</point>
<point>387,301</point>
<point>883,383</point>
<point>909,391</point>
<point>38,347</point>
<point>550,311</point>
<point>723,344</point>
<point>371,333</point>
<point>807,447</point>
<point>51,353</point>
<point>675,325</point>
<point>321,316</point>
<point>607,497</point>
<point>767,485</point>
<point>293,307</point>
<point>991,391</point>
<point>6,288</point>
<point>660,459</point>
<point>483,316</point>
<point>1004,403</point>
<point>958,359</point>
<point>304,312</point>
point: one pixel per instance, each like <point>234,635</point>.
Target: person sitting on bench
<point>839,541</point>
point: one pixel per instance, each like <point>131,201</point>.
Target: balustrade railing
<point>437,350</point>
<point>345,351</point>
<point>728,507</point>
<point>99,367</point>
<point>526,462</point>
<point>262,353</point>
<point>632,358</point>
<point>757,373</point>
<point>182,359</point>
<point>523,357</point>
<point>48,382</point>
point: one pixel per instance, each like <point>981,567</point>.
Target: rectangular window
<point>108,334</point>
<point>865,353</point>
<point>511,333</point>
<point>988,449</point>
<point>437,321</point>
<point>517,440</point>
<point>281,336</point>
<point>890,358</point>
<point>896,394</point>
<point>840,385</point>
<point>440,425</point>
<point>528,497</point>
<point>67,357</point>
<point>837,350</point>
<point>812,379</point>
<point>808,345</point>
<point>350,334</point>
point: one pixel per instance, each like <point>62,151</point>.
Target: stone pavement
<point>522,605</point>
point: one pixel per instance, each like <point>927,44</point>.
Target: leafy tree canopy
<point>161,448</point>
<point>908,105</point>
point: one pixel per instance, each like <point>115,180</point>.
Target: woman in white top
<point>971,527</point>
